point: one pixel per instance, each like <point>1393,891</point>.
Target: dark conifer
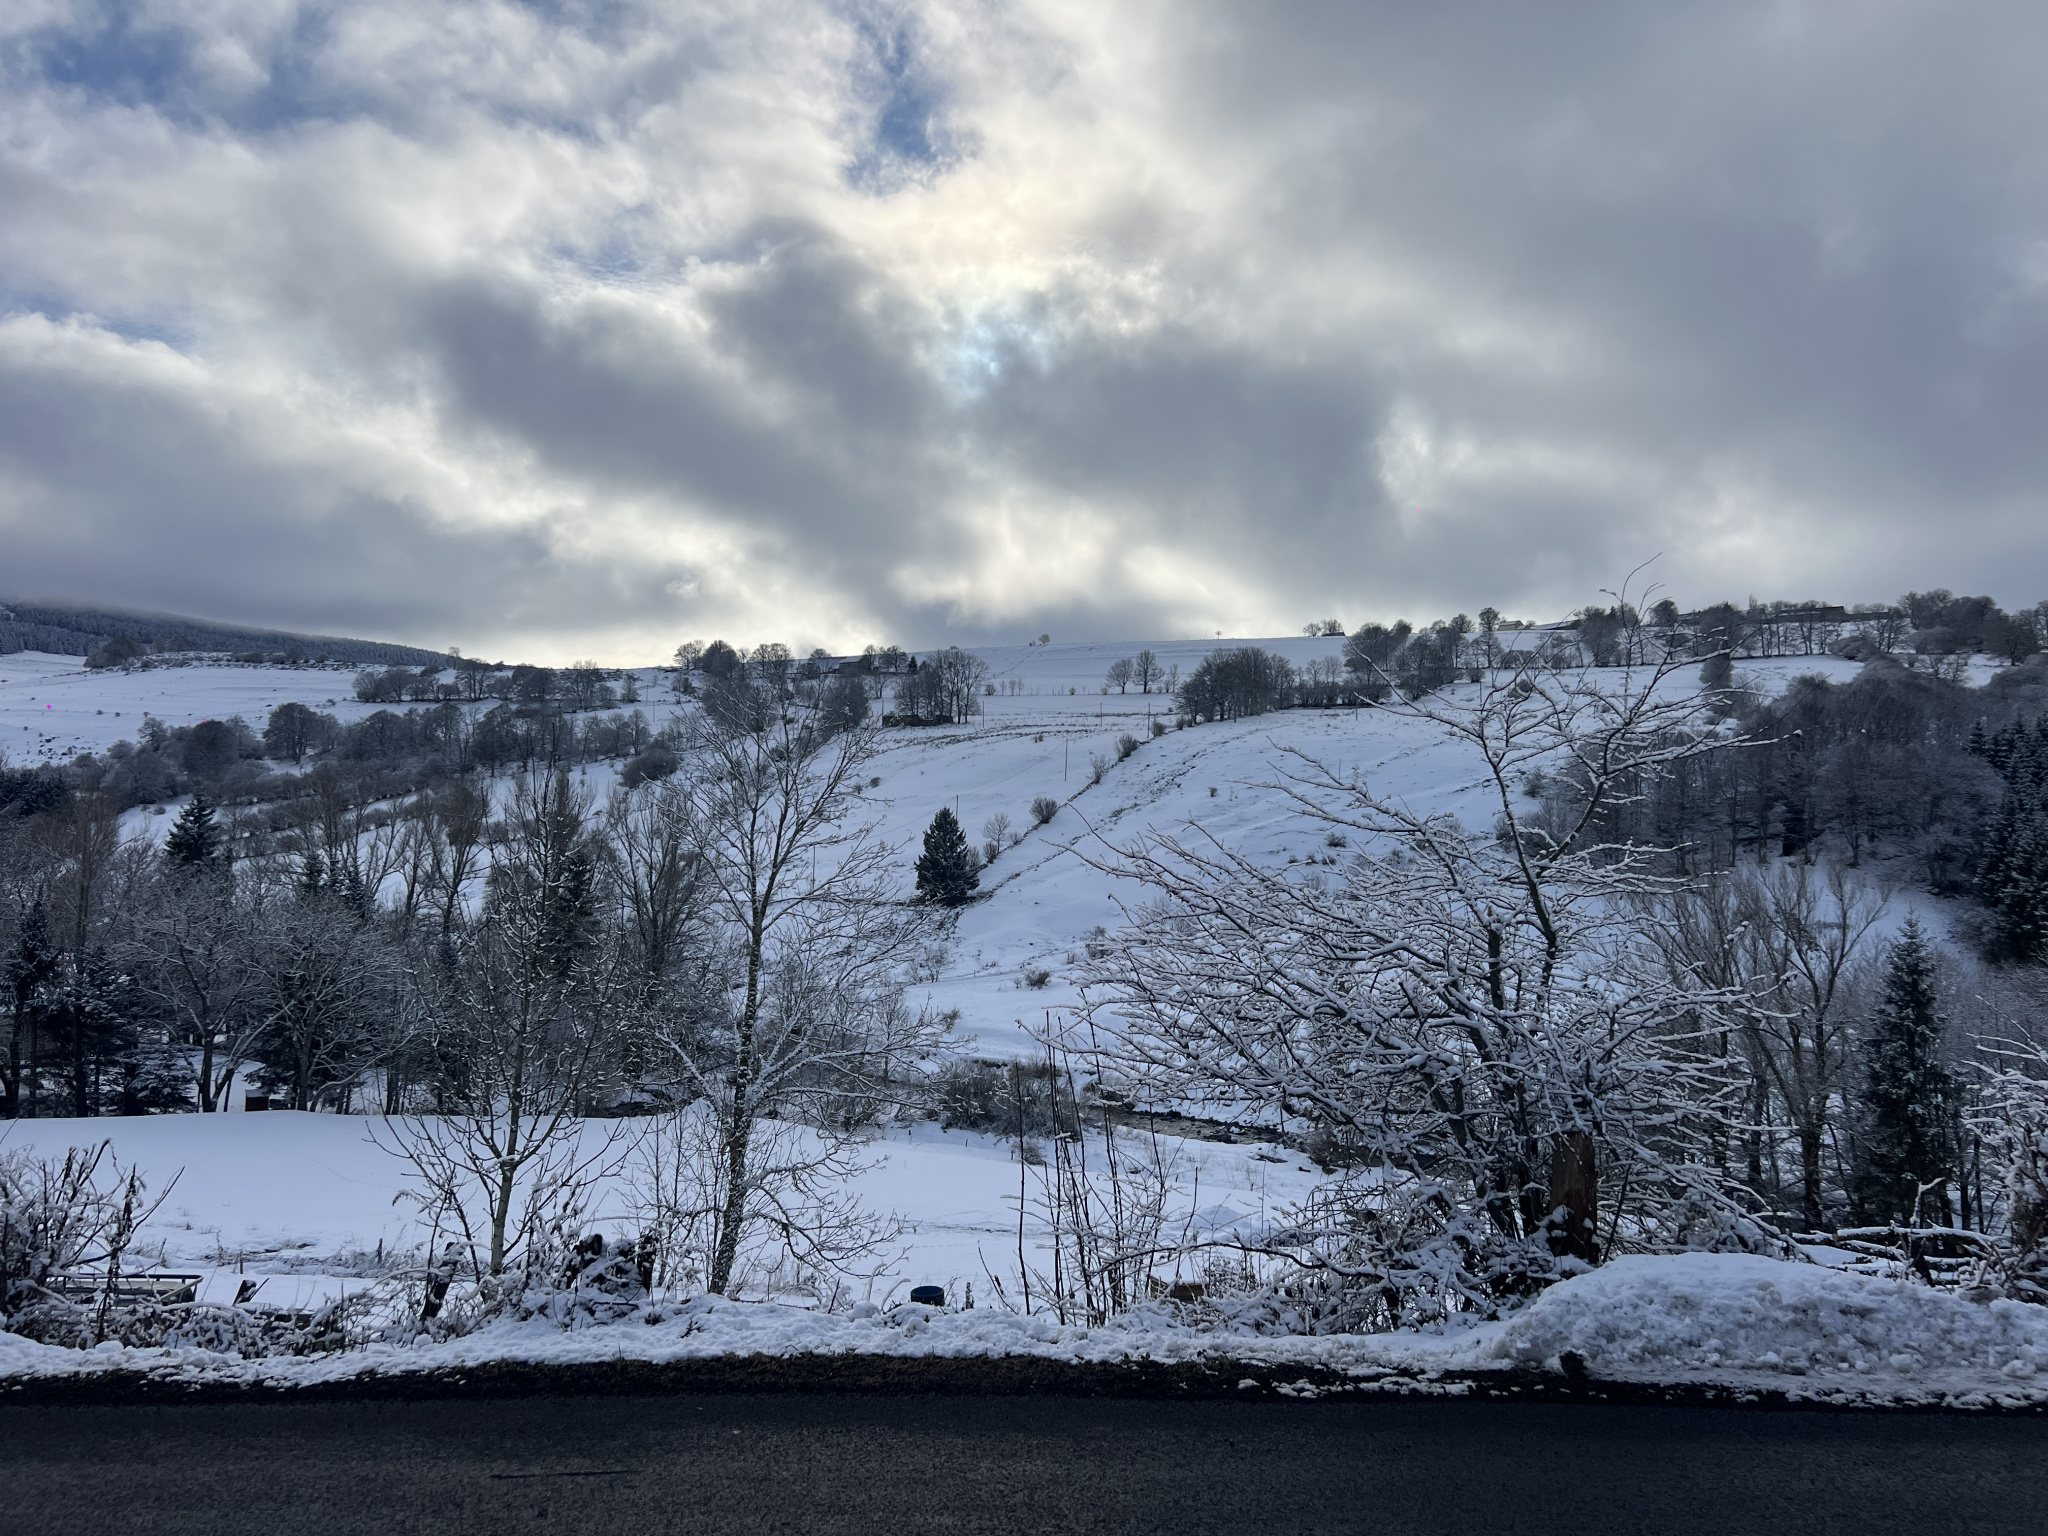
<point>30,969</point>
<point>2016,887</point>
<point>945,872</point>
<point>1907,1101</point>
<point>194,841</point>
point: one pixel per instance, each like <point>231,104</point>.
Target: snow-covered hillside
<point>302,1198</point>
<point>1036,736</point>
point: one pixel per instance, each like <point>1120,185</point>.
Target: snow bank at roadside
<point>1705,1314</point>
<point>1743,1322</point>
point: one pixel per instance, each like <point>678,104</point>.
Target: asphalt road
<point>904,1464</point>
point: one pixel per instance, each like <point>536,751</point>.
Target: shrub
<point>1126,744</point>
<point>1043,809</point>
<point>658,761</point>
<point>1098,765</point>
<point>61,1219</point>
<point>1158,727</point>
<point>999,1098</point>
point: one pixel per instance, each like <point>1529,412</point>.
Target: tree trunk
<point>13,1068</point>
<point>735,1213</point>
<point>1810,1174</point>
<point>743,1110</point>
<point>501,1213</point>
<point>206,1094</point>
<point>1575,1198</point>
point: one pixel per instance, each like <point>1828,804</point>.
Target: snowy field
<point>279,1193</point>
<point>297,1201</point>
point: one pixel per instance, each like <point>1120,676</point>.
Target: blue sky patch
<point>907,138</point>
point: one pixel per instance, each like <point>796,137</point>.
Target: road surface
<point>883,1465</point>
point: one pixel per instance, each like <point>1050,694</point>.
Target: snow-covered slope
<point>1035,737</point>
<point>52,708</point>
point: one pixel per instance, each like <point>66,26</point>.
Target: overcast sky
<point>566,329</point>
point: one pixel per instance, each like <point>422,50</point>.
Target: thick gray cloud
<point>578,328</point>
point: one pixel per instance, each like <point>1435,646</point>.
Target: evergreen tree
<point>1908,1102</point>
<point>945,871</point>
<point>195,838</point>
<point>2012,855</point>
<point>30,969</point>
<point>93,1021</point>
<point>2013,881</point>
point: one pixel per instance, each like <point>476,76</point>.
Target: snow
<point>288,1198</point>
<point>1748,1324</point>
<point>1721,1313</point>
<point>277,1193</point>
<point>52,708</point>
<point>283,1199</point>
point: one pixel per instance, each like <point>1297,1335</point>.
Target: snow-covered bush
<point>2012,1117</point>
<point>67,1227</point>
<point>195,1325</point>
<point>1472,1020</point>
<point>75,1217</point>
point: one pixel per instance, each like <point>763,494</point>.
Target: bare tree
<point>194,945</point>
<point>808,947</point>
<point>84,838</point>
<point>460,829</point>
<point>960,679</point>
<point>519,1003</point>
<point>1121,674</point>
<point>1786,944</point>
<point>658,867</point>
<point>995,832</point>
<point>800,1195</point>
<point>323,978</point>
<point>1145,671</point>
